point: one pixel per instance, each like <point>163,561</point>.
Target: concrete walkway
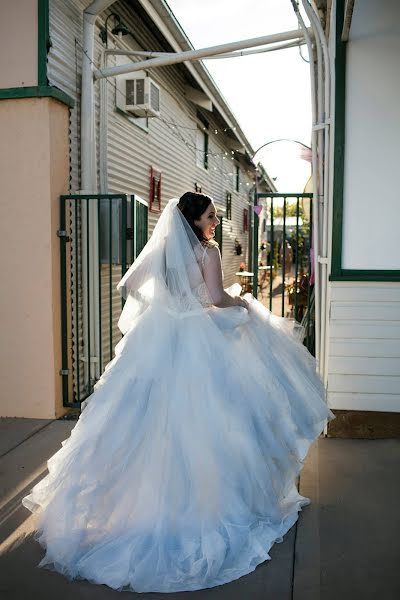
<point>345,545</point>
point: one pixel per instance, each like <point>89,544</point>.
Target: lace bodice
<point>200,289</point>
<point>197,283</point>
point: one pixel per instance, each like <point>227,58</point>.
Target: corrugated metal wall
<point>64,72</point>
<point>64,67</point>
<point>168,144</point>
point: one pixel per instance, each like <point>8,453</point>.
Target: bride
<point>180,473</point>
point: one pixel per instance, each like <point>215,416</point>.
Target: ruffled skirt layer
<point>180,473</point>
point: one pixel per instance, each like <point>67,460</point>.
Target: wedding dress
<point>180,473</point>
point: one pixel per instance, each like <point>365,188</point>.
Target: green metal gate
<point>100,235</point>
<point>281,261</point>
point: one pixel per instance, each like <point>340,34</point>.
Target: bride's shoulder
<point>210,244</point>
<point>211,251</point>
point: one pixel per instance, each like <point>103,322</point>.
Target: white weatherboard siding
<point>364,346</point>
<point>371,202</point>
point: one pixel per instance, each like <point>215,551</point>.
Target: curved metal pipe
<point>315,183</point>
<point>324,151</point>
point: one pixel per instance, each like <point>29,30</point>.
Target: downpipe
<point>324,93</point>
<point>315,231</point>
<point>90,272</point>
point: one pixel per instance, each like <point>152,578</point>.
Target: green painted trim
<point>45,91</point>
<point>283,195</point>
<point>93,197</point>
<point>205,164</point>
<point>338,164</point>
<point>339,274</point>
<point>43,41</point>
<point>364,275</point>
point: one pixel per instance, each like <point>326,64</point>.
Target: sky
<point>268,93</point>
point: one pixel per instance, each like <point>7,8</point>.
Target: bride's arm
<point>213,278</point>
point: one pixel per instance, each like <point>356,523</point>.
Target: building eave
<point>167,24</point>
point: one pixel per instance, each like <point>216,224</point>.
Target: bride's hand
<point>242,302</point>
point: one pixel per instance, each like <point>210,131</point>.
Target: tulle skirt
<point>180,473</point>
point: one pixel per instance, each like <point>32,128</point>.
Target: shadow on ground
<point>345,545</point>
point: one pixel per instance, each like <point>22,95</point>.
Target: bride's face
<point>208,221</point>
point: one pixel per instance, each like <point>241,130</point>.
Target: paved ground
<point>345,545</point>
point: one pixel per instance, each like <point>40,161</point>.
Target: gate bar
<point>284,196</point>
<point>255,247</point>
<point>284,256</point>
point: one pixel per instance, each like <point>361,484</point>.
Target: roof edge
<point>165,20</point>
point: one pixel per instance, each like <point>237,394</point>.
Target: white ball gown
<point>180,473</point>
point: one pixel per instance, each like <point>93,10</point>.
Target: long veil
<point>167,273</point>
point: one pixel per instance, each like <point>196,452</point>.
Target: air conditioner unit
<point>138,94</point>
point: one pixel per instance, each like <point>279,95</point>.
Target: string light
<point>172,123</point>
<point>175,128</point>
<point>225,129</point>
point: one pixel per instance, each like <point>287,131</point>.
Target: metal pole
<point>90,275</point>
<point>153,54</point>
<point>314,142</point>
<point>190,55</point>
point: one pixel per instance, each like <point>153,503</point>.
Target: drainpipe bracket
<point>321,125</point>
<point>61,233</point>
<point>93,359</point>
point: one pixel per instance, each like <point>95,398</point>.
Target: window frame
<point>155,189</point>
<point>228,206</point>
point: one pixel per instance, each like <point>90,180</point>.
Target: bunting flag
<point>257,209</point>
<point>305,154</point>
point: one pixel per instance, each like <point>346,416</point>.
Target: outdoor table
<point>245,280</point>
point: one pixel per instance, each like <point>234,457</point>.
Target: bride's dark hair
<point>192,205</point>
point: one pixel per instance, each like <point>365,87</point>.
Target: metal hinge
<point>63,372</point>
<point>63,233</point>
